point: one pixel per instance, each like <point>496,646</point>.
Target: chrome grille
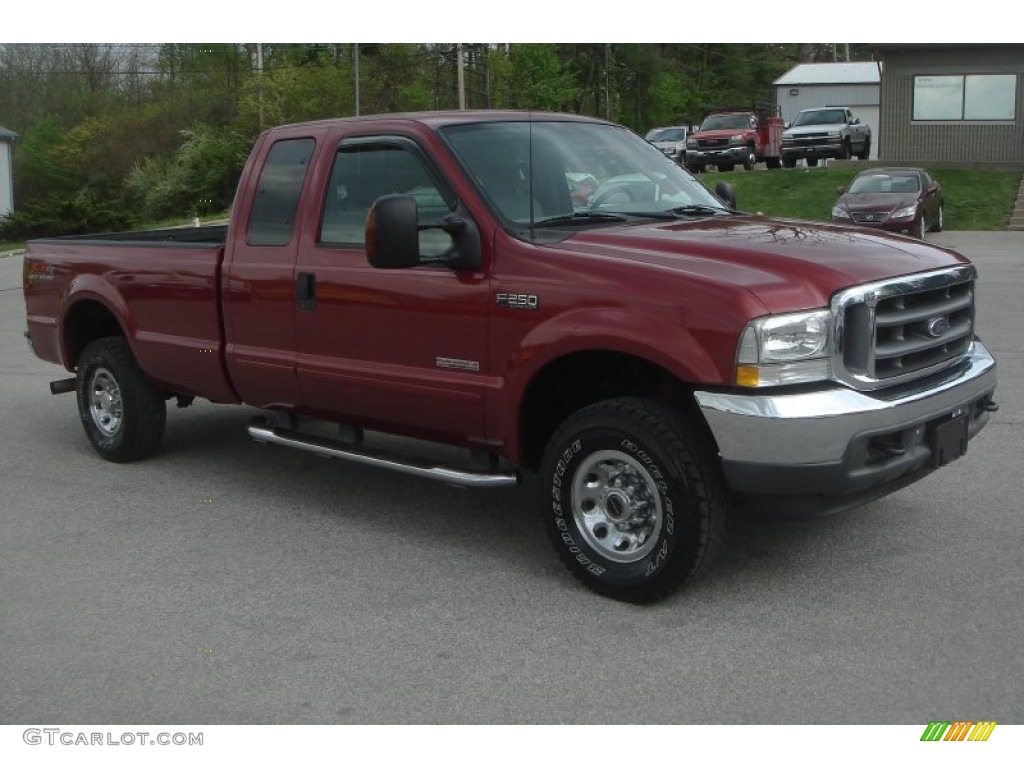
<point>869,217</point>
<point>712,143</point>
<point>903,329</point>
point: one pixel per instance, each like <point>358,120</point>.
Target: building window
<point>965,97</point>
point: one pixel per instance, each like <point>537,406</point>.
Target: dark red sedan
<point>905,200</point>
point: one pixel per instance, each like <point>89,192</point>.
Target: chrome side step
<point>263,432</point>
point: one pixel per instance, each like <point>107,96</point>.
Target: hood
<point>669,144</point>
<point>788,265</point>
<point>877,202</point>
<point>804,130</point>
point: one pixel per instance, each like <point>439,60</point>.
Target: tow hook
<point>989,405</point>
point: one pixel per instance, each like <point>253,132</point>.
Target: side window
<point>277,195</point>
<point>364,172</point>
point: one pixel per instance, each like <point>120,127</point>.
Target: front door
<point>401,349</point>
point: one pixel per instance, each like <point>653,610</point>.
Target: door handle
<point>305,290</point>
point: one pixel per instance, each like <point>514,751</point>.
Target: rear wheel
<point>122,413</point>
<point>812,162</point>
<point>637,500</point>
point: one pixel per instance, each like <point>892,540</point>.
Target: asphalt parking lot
<point>227,582</point>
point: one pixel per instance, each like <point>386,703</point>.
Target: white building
<point>6,174</point>
<point>856,85</point>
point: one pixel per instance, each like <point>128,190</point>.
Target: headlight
<point>691,143</point>
<point>905,213</point>
<point>834,134</point>
<point>785,349</point>
<point>840,213</point>
<point>736,140</point>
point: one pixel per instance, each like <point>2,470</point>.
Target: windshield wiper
<point>580,217</point>
<point>698,210</point>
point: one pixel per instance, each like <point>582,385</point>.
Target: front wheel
<point>122,413</point>
<point>750,160</point>
<point>922,226</point>
<point>637,500</point>
<point>939,221</point>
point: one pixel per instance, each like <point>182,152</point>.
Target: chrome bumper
<point>820,441</point>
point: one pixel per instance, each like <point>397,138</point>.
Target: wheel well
<point>572,382</point>
<point>85,322</point>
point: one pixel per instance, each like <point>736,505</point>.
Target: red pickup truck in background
<point>550,292</point>
<point>730,137</point>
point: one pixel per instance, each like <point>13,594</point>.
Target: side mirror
<point>787,126</point>
<point>725,192</point>
<point>856,121</point>
<point>392,234</point>
<point>393,237</point>
<point>840,191</point>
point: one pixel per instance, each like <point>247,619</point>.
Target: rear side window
<point>277,195</point>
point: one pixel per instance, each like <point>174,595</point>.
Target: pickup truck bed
<point>161,286</point>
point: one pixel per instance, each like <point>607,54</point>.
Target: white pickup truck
<point>827,132</point>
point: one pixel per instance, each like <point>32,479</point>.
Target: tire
<point>844,151</point>
<point>922,227</point>
<point>640,539</point>
<point>812,162</point>
<point>773,163</point>
<point>788,162</point>
<point>122,413</point>
<point>940,222</point>
<point>726,166</point>
<point>750,160</point>
<point>695,168</point>
<point>865,153</point>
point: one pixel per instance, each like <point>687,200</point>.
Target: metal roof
<point>6,135</point>
<point>832,73</point>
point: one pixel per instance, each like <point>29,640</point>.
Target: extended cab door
<point>258,297</point>
<point>399,349</point>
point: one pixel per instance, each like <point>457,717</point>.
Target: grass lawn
<point>974,200</point>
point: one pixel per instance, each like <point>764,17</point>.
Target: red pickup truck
<point>551,293</point>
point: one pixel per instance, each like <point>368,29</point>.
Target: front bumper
<point>900,226</point>
<point>838,447</point>
<point>710,156</point>
<point>819,150</point>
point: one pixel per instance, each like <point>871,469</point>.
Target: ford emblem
<point>937,326</point>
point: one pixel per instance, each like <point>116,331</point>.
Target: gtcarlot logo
<point>57,736</point>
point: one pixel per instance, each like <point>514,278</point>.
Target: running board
<point>262,432</point>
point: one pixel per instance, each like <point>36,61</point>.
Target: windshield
<point>821,117</point>
<point>536,171</point>
<point>718,122</point>
<point>900,183</point>
<point>667,134</point>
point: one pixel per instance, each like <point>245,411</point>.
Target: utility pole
<point>461,75</point>
<point>259,79</point>
<point>355,59</point>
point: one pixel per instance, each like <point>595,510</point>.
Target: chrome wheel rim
<point>105,405</point>
<point>616,506</point>
<point>941,222</point>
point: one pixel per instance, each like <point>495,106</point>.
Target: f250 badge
<point>518,300</point>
